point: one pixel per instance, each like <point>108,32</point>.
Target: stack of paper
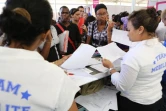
<point>102,100</point>
<point>81,80</point>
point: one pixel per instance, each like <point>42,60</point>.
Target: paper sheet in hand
<point>121,37</point>
<point>80,58</point>
<point>94,61</point>
<point>63,41</point>
<point>102,100</point>
<point>111,52</point>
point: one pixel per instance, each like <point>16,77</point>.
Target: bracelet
<point>111,69</point>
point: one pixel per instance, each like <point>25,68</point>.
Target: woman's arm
<point>109,31</point>
<point>46,49</point>
<point>73,107</point>
<point>123,80</point>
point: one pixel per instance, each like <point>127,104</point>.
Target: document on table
<point>94,61</point>
<point>111,52</point>
<point>80,58</point>
<point>100,68</point>
<point>102,100</point>
<point>121,37</point>
<point>81,72</point>
<point>82,80</point>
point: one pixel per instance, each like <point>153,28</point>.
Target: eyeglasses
<point>81,10</point>
<point>103,14</point>
<point>64,12</point>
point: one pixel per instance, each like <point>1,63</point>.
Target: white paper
<point>80,72</point>
<point>111,52</point>
<point>80,58</point>
<point>81,80</point>
<point>121,37</point>
<point>102,100</point>
<point>63,41</point>
<point>100,68</point>
<point>87,70</point>
<point>94,61</point>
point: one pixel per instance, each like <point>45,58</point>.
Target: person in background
<point>89,12</point>
<point>119,20</point>
<point>113,15</point>
<point>85,15</point>
<point>97,30</point>
<point>75,15</point>
<point>81,20</point>
<point>87,21</point>
<point>141,74</point>
<point>28,82</point>
<point>81,9</point>
<point>65,24</point>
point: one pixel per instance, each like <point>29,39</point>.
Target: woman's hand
<point>107,63</point>
<point>84,28</point>
<point>110,25</point>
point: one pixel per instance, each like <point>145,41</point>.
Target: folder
<point>63,41</point>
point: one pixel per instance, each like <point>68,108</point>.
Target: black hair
<point>64,7</point>
<point>80,7</point>
<point>124,14</point>
<point>113,15</point>
<point>159,13</point>
<point>99,6</point>
<point>19,28</point>
<point>146,18</point>
<point>73,11</point>
<point>117,18</point>
<point>89,19</point>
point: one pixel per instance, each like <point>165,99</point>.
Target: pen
<point>71,74</point>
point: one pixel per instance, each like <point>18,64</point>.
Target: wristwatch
<point>111,69</point>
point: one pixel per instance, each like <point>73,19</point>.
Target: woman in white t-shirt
<point>142,67</point>
<point>27,81</point>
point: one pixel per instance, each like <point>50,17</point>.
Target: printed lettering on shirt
<point>15,89</point>
<point>160,66</point>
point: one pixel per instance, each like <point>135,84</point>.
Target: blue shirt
<point>164,75</point>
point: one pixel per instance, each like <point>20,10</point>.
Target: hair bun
<point>16,26</point>
<point>152,12</point>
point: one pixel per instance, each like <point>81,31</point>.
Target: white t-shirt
<point>142,70</point>
<point>29,83</point>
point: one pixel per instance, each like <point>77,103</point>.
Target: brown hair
<point>146,18</point>
<point>23,12</point>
